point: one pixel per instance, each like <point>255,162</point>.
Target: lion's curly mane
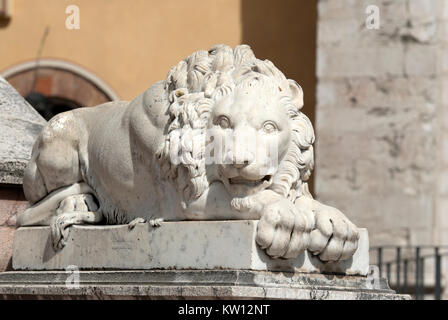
<point>195,84</point>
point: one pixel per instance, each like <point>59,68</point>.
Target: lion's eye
<point>269,127</point>
<point>223,122</point>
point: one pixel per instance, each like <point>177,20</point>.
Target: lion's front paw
<point>334,238</point>
<point>284,230</point>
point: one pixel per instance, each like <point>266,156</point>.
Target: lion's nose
<point>241,160</point>
<point>241,165</point>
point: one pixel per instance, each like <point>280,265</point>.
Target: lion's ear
<point>296,93</point>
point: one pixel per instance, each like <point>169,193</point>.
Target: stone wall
<point>381,150</point>
<point>381,124</point>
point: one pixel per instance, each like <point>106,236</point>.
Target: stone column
<point>381,124</point>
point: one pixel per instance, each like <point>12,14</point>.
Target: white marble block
<point>204,245</point>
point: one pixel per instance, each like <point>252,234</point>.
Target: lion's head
<point>249,106</point>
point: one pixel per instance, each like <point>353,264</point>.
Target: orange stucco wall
<point>128,44</point>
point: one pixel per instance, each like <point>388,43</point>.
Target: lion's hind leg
<point>62,208</point>
<point>56,157</point>
<point>60,226</point>
<point>77,209</point>
<point>41,213</point>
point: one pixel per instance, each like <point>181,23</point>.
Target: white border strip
<point>63,65</point>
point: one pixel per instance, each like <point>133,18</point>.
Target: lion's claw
<point>154,222</point>
<point>133,223</point>
<point>335,238</point>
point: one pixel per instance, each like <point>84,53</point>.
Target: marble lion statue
<point>146,160</point>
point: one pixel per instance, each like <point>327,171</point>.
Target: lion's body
<point>112,148</point>
<point>99,146</point>
<point>147,159</point>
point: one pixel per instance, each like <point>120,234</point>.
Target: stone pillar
<point>381,124</point>
<point>379,116</point>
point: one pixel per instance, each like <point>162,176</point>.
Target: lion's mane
<point>194,85</point>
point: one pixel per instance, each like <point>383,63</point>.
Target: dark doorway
<point>48,107</point>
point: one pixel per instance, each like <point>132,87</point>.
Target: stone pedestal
<point>200,245</point>
<point>193,284</point>
<point>196,260</point>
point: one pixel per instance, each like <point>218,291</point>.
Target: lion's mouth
<point>250,183</point>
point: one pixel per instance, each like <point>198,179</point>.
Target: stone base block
<point>204,245</point>
<point>205,284</point>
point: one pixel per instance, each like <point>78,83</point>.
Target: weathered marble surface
<point>174,245</point>
<point>20,125</point>
<point>167,284</point>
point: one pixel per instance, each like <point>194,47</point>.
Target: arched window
<point>54,86</point>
